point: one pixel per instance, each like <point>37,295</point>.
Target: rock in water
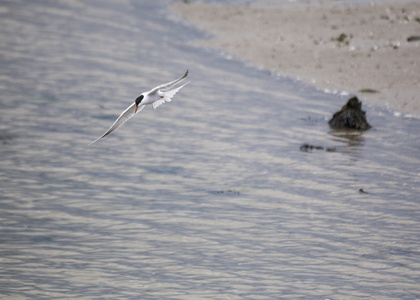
<point>351,116</point>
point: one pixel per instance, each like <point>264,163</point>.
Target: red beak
<point>136,108</point>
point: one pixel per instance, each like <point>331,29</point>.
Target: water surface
<point>210,195</point>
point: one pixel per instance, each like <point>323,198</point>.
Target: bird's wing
<point>124,117</point>
<point>169,84</point>
<point>167,96</point>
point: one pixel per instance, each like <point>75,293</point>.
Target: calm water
<point>209,196</point>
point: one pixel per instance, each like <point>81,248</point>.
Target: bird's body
<point>156,96</point>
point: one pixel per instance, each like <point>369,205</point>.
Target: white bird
<point>155,96</point>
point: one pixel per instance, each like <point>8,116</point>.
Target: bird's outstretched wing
<point>124,117</point>
<point>167,96</point>
<point>168,85</point>
<point>131,110</point>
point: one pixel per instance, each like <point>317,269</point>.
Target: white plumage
<point>156,96</point>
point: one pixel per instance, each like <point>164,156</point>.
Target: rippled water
<point>210,195</point>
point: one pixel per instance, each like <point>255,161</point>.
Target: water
<point>209,196</point>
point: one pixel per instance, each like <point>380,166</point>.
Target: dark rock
<point>351,116</point>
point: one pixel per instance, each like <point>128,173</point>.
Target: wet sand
<point>360,50</point>
<point>210,196</point>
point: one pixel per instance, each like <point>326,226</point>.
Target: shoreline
<point>362,50</point>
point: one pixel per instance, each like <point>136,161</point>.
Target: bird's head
<point>138,101</point>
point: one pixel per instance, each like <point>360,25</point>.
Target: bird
<point>156,96</point>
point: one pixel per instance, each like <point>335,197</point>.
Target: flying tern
<point>156,96</point>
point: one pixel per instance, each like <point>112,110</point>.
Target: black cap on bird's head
<point>138,101</point>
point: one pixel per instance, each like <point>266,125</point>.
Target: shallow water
<point>210,195</point>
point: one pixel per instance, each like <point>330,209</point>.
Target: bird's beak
<point>136,108</point>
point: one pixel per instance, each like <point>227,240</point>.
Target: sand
<point>361,50</point>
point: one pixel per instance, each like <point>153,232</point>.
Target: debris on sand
<point>413,38</point>
<point>369,91</point>
<point>343,39</point>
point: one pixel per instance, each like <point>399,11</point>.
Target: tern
<point>156,96</point>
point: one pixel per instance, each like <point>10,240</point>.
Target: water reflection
<point>208,196</point>
<point>353,141</point>
<point>352,138</point>
<point>7,138</point>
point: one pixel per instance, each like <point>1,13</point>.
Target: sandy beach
<point>372,51</point>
